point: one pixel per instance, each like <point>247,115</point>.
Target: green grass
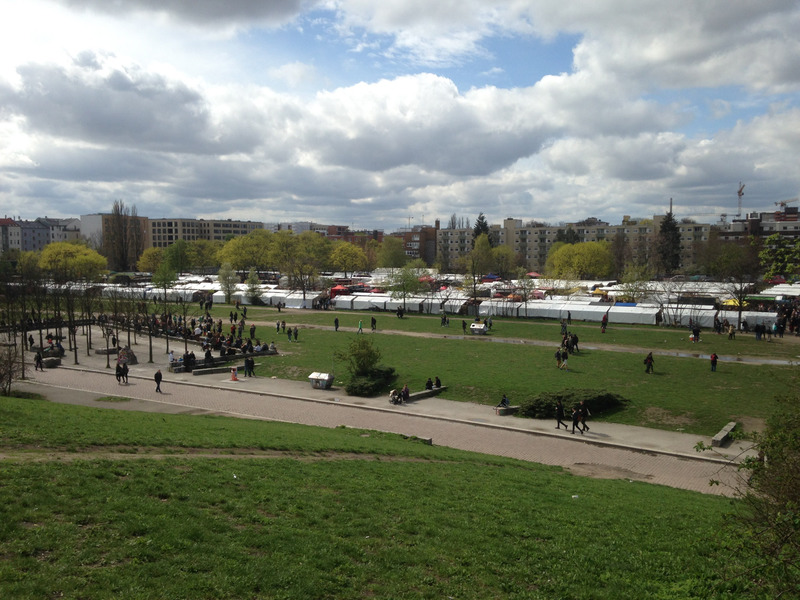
<point>423,522</point>
<point>683,392</point>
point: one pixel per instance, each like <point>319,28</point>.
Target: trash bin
<point>478,328</point>
<point>320,381</point>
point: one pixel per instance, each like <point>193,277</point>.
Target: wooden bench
<point>215,370</point>
<point>724,435</point>
<point>506,410</point>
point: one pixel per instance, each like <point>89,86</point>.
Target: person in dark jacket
<point>560,415</point>
<point>157,377</point>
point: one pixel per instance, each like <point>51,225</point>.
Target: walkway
<point>607,450</point>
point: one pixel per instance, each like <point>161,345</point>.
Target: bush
<point>543,406</point>
<point>372,384</point>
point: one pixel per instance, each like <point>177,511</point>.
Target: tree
<point>764,533</point>
<point>177,257</point>
<point>587,260</point>
<point>348,257</point>
<point>736,263</point>
<point>668,245</point>
<point>362,356</point>
<point>392,255</point>
<point>780,256</point>
<point>203,254</point>
<point>228,280</point>
<point>480,228</point>
<point>124,238</point>
<point>252,250</point>
<point>253,286</point>
<point>620,252</point>
<point>478,262</point>
<point>504,260</point>
<point>408,281</point>
<point>150,260</point>
<point>568,236</point>
<point>69,262</point>
<point>635,281</point>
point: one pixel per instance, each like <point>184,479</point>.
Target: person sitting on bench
<point>504,403</point>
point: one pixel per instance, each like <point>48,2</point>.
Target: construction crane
<point>783,203</point>
<point>740,193</point>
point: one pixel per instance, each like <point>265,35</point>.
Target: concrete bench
<point>51,362</point>
<point>217,370</point>
<point>105,351</point>
<point>724,434</point>
<point>425,393</point>
<point>506,410</point>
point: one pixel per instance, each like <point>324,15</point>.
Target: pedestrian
<point>336,324</point>
<point>564,357</point>
<point>113,341</point>
<point>289,335</point>
<point>283,326</point>
<point>118,373</point>
<point>30,341</point>
<point>374,324</point>
<point>648,363</point>
<point>714,359</point>
<point>604,323</point>
<point>38,362</point>
<point>576,420</point>
<point>295,333</point>
<point>359,327</point>
<point>277,326</point>
<point>583,409</point>
<point>125,373</point>
<point>463,326</point>
<point>252,331</point>
<point>560,416</point>
<point>558,358</point>
<point>157,377</point>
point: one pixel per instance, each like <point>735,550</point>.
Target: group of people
<point>580,412</point>
<point>122,373</point>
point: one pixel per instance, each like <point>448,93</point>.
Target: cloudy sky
<point>389,113</point>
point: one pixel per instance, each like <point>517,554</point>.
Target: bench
<point>222,369</point>
<point>51,362</point>
<point>425,393</point>
<point>724,434</point>
<point>506,410</point>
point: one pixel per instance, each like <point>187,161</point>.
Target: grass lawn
<point>682,393</point>
<point>323,514</point>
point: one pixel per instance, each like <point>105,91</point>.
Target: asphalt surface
<point>607,450</point>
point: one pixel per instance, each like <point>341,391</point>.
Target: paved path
<point>607,450</point>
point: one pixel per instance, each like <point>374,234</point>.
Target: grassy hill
<point>111,504</point>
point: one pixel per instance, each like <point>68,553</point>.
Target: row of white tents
<point>663,305</point>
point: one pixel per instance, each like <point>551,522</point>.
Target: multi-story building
<point>420,241</point>
<point>785,222</point>
<point>44,230</point>
<point>164,232</point>
<point>532,241</point>
<point>10,235</point>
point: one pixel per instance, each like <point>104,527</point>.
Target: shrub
<point>543,406</point>
<point>375,382</point>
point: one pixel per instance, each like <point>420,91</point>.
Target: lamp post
<point>108,361</point>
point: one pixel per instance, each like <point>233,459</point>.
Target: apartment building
<point>10,235</point>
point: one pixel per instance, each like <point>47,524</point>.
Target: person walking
<point>38,362</point>
<point>295,332</point>
<point>374,324</point>
<point>714,359</point>
<point>564,358</point>
<point>584,413</point>
<point>560,416</point>
<point>157,378</point>
<point>289,335</point>
<point>125,373</point>
<point>360,330</point>
<point>118,373</point>
<point>336,324</point>
<point>463,326</point>
<point>558,358</point>
<point>576,420</point>
<point>648,363</point>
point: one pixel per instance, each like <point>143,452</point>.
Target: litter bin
<point>478,329</point>
<point>320,381</point>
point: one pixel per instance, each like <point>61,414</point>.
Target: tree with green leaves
<point>635,281</point>
<point>253,286</point>
<point>408,281</point>
<point>228,279</point>
<point>392,255</point>
<point>203,255</point>
<point>252,250</point>
<point>150,260</point>
<point>478,262</point>
<point>177,257</point>
<point>780,255</point>
<point>568,236</point>
<point>347,257</point>
<point>587,260</point>
<point>668,245</point>
<point>504,260</point>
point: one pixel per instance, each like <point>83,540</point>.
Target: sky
<point>384,114</point>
